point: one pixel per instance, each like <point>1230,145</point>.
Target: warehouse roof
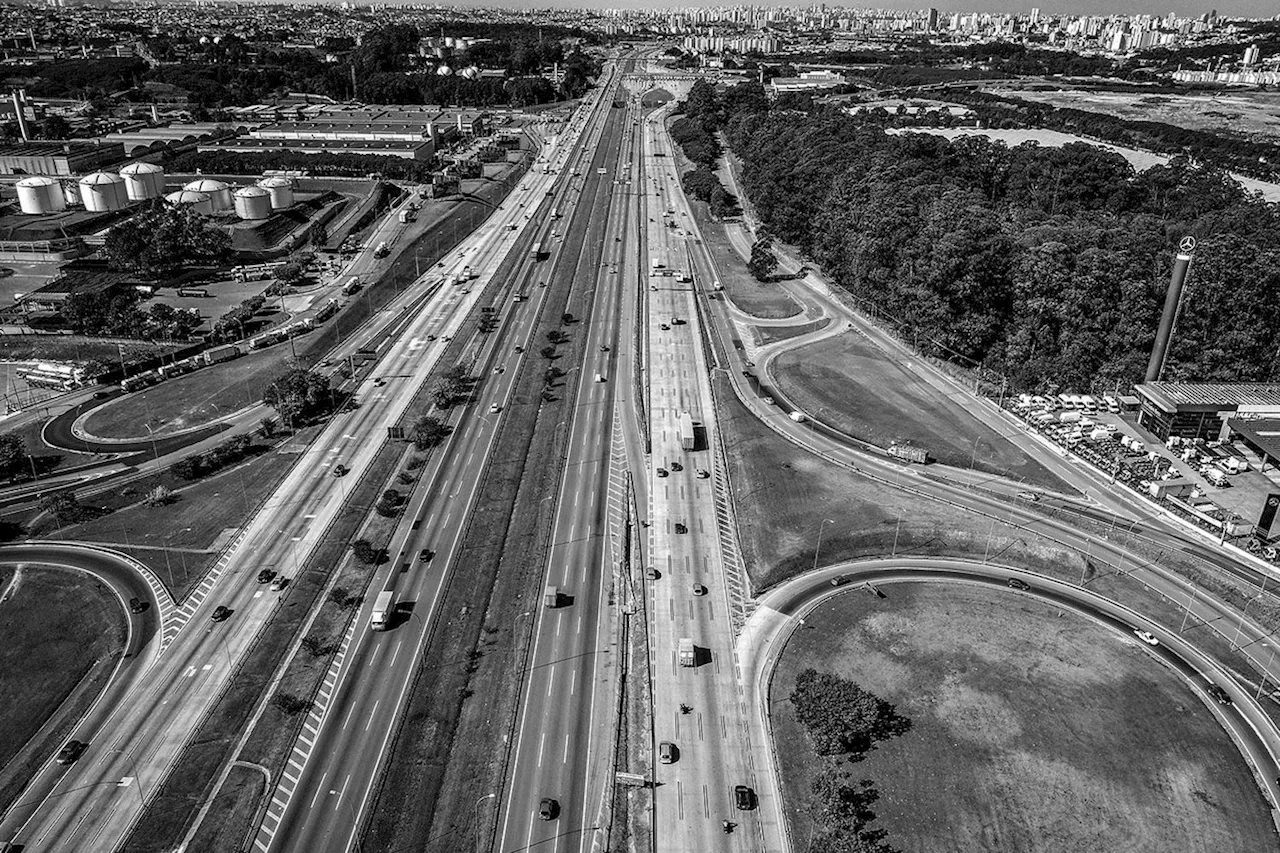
<point>1171,396</point>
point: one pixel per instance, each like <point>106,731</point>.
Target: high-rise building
<point>1251,55</point>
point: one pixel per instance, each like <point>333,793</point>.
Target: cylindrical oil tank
<point>253,203</point>
<point>218,192</point>
<point>143,180</point>
<point>40,195</point>
<point>103,191</point>
<point>197,200</point>
<point>281,190</point>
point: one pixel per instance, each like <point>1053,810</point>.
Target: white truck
<point>687,655</point>
<point>384,607</point>
<point>551,596</point>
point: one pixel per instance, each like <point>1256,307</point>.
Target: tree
<point>365,552</point>
<point>13,456</point>
<point>429,432</point>
<point>54,127</point>
<point>763,261</point>
<point>164,238</point>
<point>299,394</point>
<point>840,716</point>
<point>160,496</point>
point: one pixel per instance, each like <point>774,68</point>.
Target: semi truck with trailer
<point>688,439</point>
<point>909,453</point>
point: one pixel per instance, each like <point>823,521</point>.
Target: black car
<point>680,528</point>
<point>220,612</point>
<point>1219,695</point>
<point>425,554</point>
<point>548,809</point>
<point>71,750</point>
<point>137,605</point>
<point>841,580</point>
<point>1019,583</point>
<point>744,798</point>
<point>265,575</point>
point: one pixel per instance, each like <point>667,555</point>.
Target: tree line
<point>1048,265</point>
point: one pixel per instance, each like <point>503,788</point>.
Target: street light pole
<point>818,547</point>
<point>475,817</point>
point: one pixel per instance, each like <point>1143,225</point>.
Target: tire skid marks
<point>287,783</point>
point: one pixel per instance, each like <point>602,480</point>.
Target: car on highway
<point>841,580</point>
<point>425,554</point>
<point>519,349</point>
<point>651,573</point>
<point>71,750</point>
<point>769,401</point>
<point>667,752</point>
<point>220,612</point>
<point>1146,637</point>
<point>703,473</point>
<point>664,327</point>
<point>498,369</point>
<point>1029,496</point>
<point>1019,583</point>
<point>1219,695</point>
<point>661,472</point>
<point>340,470</point>
<point>494,408</point>
<point>676,466</point>
<point>137,605</point>
<point>604,348</point>
<point>744,798</point>
<point>699,589</point>
<point>548,809</point>
<point>279,583</point>
<point>265,575</point>
<point>680,528</point>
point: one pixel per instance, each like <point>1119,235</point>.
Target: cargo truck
<point>551,596</point>
<point>909,453</point>
<point>686,652</point>
<point>384,607</point>
<point>538,252</point>
<point>213,355</point>
<point>408,215</point>
<point>688,439</point>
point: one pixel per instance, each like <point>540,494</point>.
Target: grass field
<point>849,383</point>
<point>783,494</point>
<point>1031,731</point>
<point>62,634</point>
<point>773,334</point>
<point>191,524</point>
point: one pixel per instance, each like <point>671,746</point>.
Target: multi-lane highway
<point>93,804</point>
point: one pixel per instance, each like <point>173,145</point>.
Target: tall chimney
<point>19,110</point>
<point>155,114</point>
<point>1172,299</point>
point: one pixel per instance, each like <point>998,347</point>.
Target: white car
<point>1146,637</point>
<point>494,408</point>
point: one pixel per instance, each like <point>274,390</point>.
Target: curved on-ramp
<point>783,609</point>
<point>127,579</point>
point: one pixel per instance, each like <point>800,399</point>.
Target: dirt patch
<point>62,635</point>
<point>852,385</point>
<point>772,334</point>
<point>1033,730</point>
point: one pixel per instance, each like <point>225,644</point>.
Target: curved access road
<point>784,608</point>
<point>127,579</point>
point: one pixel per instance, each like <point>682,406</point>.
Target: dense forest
<point>1048,265</point>
<point>385,67</point>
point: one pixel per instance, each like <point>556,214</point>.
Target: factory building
<point>57,159</point>
<point>1203,410</point>
<point>420,150</point>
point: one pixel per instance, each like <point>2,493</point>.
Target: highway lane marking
<point>372,714</point>
<point>394,653</point>
<point>319,788</point>
<point>285,775</point>
<point>307,725</point>
<point>542,742</point>
<point>307,741</point>
<point>679,799</point>
<point>338,801</point>
<point>350,713</point>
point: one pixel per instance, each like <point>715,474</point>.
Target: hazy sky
<point>1236,8</point>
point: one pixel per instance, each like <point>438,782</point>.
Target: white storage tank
<point>253,203</point>
<point>198,200</point>
<point>143,181</point>
<point>218,192</point>
<point>40,195</point>
<point>103,191</point>
<point>281,190</point>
